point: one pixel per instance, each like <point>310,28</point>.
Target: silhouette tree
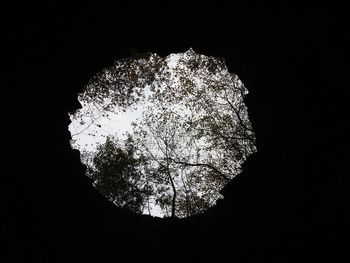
<point>121,86</point>
<point>116,175</point>
<point>196,134</point>
<point>190,142</point>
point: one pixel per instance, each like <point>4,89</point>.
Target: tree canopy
<point>191,140</point>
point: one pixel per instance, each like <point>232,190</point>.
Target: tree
<point>121,86</point>
<point>116,175</point>
<point>190,142</point>
<point>196,134</point>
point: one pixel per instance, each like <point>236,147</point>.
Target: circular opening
<point>162,136</point>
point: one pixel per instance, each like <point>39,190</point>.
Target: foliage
<point>116,175</point>
<point>190,142</point>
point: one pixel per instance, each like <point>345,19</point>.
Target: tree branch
<point>203,165</point>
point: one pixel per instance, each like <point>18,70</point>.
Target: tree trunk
<point>174,195</point>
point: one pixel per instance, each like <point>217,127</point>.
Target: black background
<point>288,205</point>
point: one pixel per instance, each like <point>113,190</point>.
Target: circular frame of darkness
<point>163,136</point>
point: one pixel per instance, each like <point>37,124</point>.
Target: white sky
<point>117,124</point>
